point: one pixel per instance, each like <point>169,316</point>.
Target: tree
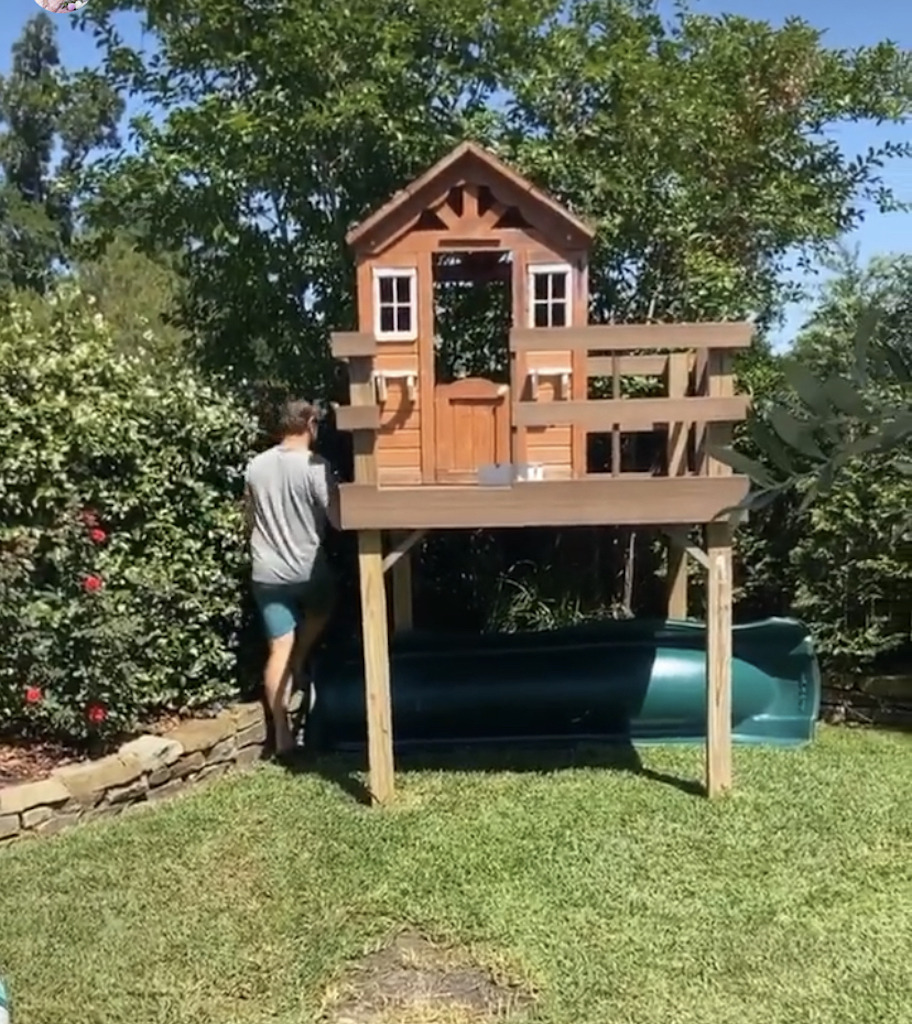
<point>43,108</point>
<point>698,145</point>
<point>849,395</point>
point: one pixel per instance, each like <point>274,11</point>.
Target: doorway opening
<point>473,314</point>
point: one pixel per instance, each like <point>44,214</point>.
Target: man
<point>290,496</point>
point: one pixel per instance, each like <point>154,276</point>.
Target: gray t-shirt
<point>290,490</point>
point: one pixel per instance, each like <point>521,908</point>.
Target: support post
<point>677,375</point>
<point>375,637</point>
<point>676,578</point>
<point>401,582</point>
<point>719,659</point>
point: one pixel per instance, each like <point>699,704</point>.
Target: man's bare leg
<point>308,635</point>
<point>276,679</point>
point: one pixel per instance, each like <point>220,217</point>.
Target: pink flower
<point>92,584</point>
<point>97,535</point>
<point>96,713</point>
<point>33,695</point>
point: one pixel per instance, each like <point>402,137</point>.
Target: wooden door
<point>472,428</point>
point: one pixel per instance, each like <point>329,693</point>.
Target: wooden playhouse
<point>509,439</point>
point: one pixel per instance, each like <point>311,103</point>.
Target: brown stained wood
<point>447,214</point>
<point>426,359</point>
<point>491,241</point>
<point>397,357</point>
<point>394,476</point>
<point>346,344</point>
<point>393,457</point>
<point>632,366</point>
<point>579,383</point>
<point>519,364</point>
<point>406,419</point>
<point>630,414</point>
<point>361,393</point>
<point>549,453</point>
<point>677,583</point>
<point>721,383</point>
<point>628,337</point>
<point>615,431</point>
<point>467,163</point>
<point>358,417</point>
<point>400,437</point>
<point>678,432</point>
<point>719,658</point>
<point>700,386</point>
<point>586,502</point>
<point>473,427</point>
<point>375,637</point>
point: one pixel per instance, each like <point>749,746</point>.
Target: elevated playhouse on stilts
<point>511,445</point>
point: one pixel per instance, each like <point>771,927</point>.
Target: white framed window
<point>395,303</point>
<point>549,294</point>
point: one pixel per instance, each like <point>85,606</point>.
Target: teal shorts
<point>282,605</point>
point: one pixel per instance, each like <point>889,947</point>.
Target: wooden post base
<point>375,636</point>
<point>719,659</point>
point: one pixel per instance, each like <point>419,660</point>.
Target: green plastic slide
<point>609,681</point>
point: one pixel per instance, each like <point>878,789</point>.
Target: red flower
<point>96,713</point>
<point>97,535</point>
<point>89,518</point>
<point>33,695</point>
<point>92,584</point>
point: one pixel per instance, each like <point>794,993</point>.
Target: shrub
<point>120,529</point>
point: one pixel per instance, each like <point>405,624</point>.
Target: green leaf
<point>742,464</point>
<point>844,395</point>
<point>798,434</point>
<point>897,364</point>
<point>807,386</point>
<point>904,467</point>
<point>771,446</point>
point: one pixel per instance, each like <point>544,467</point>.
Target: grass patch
<point>615,897</point>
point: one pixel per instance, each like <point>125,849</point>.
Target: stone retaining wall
<point>144,769</point>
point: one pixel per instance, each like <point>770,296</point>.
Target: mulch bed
<point>31,760</point>
<point>28,762</point>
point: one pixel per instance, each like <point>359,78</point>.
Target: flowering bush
<point>121,548</point>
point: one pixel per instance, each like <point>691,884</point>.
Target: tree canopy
<point>700,145</point>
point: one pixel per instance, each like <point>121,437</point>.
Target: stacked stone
<point>145,769</point>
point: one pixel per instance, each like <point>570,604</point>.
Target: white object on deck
<point>502,474</point>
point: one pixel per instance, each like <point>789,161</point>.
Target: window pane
<point>387,319</point>
<point>403,318</point>
<point>404,290</point>
<point>386,289</point>
<point>558,314</point>
<point>558,286</point>
<point>541,287</point>
<point>540,314</point>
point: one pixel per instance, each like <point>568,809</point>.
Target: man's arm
<point>325,490</point>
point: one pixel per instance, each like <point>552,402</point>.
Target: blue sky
<point>847,24</point>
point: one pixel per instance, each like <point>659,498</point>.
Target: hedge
<point>121,547</point>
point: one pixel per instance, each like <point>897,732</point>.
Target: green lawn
<point>620,898</point>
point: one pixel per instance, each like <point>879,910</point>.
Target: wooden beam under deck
<point>588,502</point>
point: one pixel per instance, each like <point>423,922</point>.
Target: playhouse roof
<point>456,168</point>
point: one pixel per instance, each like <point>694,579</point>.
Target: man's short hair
<point>296,417</point>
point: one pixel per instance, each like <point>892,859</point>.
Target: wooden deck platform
<point>656,501</point>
